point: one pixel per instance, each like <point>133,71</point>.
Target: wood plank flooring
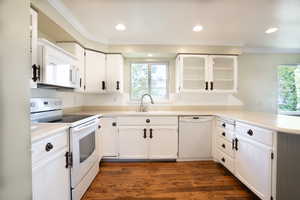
<point>204,180</point>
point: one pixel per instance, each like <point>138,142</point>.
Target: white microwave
<point>56,66</point>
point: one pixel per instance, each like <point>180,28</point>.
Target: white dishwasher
<point>195,138</point>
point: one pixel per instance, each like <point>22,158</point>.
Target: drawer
<point>48,146</point>
<point>145,121</point>
<point>226,160</point>
<point>225,125</point>
<point>258,134</point>
<point>225,146</point>
<point>225,134</point>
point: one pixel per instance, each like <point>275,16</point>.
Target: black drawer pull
<point>211,85</point>
<point>232,143</point>
<point>118,85</point>
<point>145,133</point>
<point>236,144</point>
<point>223,160</point>
<point>224,134</point>
<point>223,145</point>
<point>103,86</point>
<point>224,125</point>
<point>48,147</point>
<point>206,85</point>
<point>147,120</point>
<point>151,136</point>
<point>250,132</point>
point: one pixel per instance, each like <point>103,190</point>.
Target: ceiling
<point>170,22</point>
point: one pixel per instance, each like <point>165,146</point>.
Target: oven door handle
<point>85,126</point>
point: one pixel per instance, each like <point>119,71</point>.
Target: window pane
<point>159,75</point>
<point>289,88</point>
<point>139,80</point>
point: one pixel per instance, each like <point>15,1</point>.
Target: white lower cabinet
<point>253,166</point>
<point>109,133</point>
<point>133,143</point>
<point>50,177</point>
<point>163,142</point>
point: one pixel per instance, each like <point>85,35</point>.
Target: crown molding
<point>271,50</point>
<point>70,18</point>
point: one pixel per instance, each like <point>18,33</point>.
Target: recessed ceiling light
<point>198,28</point>
<point>120,27</point>
<point>150,55</point>
<point>271,30</point>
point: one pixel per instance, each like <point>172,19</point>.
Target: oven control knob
<point>49,146</point>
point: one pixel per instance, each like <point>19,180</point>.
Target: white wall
<point>15,142</point>
<point>258,79</point>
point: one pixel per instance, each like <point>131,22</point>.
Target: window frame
<point>282,112</point>
<point>149,63</point>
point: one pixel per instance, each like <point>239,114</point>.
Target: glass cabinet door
<point>224,73</point>
<point>194,72</point>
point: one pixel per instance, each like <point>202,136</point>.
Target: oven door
<point>83,148</point>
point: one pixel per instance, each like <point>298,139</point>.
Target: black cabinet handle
<point>224,125</point>
<point>114,124</point>
<point>223,160</point>
<point>224,134</point>
<point>39,73</point>
<point>99,126</point>
<point>48,147</point>
<point>151,136</point>
<point>206,85</point>
<point>236,144</point>
<point>118,85</point>
<point>223,145</point>
<point>34,73</point>
<point>232,142</point>
<point>103,85</point>
<point>250,132</point>
<point>211,85</point>
<point>80,80</point>
<point>145,133</point>
<point>147,120</point>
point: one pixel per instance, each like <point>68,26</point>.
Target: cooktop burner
<point>71,118</point>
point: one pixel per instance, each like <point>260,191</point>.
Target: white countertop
<point>280,123</point>
<point>42,130</point>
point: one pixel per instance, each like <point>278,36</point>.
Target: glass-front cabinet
<point>206,73</point>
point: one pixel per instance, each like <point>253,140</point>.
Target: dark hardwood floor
<point>203,180</point>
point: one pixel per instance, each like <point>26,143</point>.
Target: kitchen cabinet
<point>50,177</point>
<point>95,72</point>
<point>206,73</point>
<point>109,132</point>
<point>78,52</point>
<point>104,73</point>
<point>163,142</point>
<point>33,47</point>
<point>148,137</point>
<point>133,142</point>
<point>114,72</point>
<point>253,161</point>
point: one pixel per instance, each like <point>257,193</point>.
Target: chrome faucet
<point>143,108</point>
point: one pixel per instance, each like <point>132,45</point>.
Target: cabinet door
<point>163,142</point>
<point>51,179</point>
<point>223,73</point>
<point>95,72</point>
<point>33,43</point>
<point>253,166</point>
<point>133,142</point>
<point>114,67</point>
<point>109,134</point>
<point>193,72</point>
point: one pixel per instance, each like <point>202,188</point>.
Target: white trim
<point>271,50</point>
<point>67,14</point>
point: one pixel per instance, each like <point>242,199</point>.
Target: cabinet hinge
<point>69,159</point>
<point>272,155</point>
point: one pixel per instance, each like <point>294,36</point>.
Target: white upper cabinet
<point>33,47</point>
<point>223,75</point>
<point>104,73</point>
<point>114,72</point>
<point>206,73</point>
<point>78,52</point>
<point>95,72</point>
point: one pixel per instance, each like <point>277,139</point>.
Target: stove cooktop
<point>71,118</point>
